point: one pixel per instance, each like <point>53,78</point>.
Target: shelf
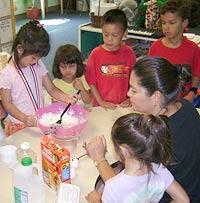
<point>90,37</point>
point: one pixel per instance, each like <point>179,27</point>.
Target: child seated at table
<point>143,144</point>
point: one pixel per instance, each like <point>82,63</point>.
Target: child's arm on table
<point>101,102</point>
<point>56,93</point>
<point>85,94</point>
<point>29,120</point>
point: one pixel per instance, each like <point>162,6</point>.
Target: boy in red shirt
<point>109,65</point>
<point>174,46</point>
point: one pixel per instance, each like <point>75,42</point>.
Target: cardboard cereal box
<point>55,162</point>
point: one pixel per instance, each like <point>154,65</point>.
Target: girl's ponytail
<point>162,150</point>
<point>146,136</point>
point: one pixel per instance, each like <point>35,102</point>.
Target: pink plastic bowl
<point>60,131</point>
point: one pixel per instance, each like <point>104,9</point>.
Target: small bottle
<point>28,186</point>
<point>26,151</point>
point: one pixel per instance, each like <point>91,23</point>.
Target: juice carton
<point>55,162</point>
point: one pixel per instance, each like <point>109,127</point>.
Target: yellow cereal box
<point>55,162</point>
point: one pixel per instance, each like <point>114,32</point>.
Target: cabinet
<point>90,37</point>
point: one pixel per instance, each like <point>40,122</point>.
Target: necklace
<point>34,100</point>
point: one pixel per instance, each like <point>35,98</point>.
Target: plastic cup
<point>8,154</point>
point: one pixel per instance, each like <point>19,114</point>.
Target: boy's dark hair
<point>68,54</point>
<point>155,73</point>
<point>33,38</point>
<point>181,7</point>
<point>147,138</point>
<point>115,16</point>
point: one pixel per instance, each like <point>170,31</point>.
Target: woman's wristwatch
<point>194,90</point>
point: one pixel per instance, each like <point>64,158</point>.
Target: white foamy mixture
<point>68,120</point>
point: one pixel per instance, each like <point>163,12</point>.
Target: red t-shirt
<point>109,71</point>
<point>187,53</point>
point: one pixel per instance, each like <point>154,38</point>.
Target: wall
<point>20,7</point>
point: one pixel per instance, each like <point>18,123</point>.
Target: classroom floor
<point>61,33</point>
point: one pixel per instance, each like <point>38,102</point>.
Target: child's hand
<point>107,105</point>
<point>190,96</point>
<point>96,148</point>
<point>71,99</point>
<point>31,121</point>
<point>125,103</point>
<point>78,84</point>
<point>93,197</point>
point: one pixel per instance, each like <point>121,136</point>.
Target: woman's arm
<point>57,93</point>
<point>177,193</point>
<point>96,149</point>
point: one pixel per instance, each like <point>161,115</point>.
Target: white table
<point>100,122</point>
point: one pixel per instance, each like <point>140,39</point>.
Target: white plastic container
<point>25,151</point>
<point>28,184</point>
<point>8,155</point>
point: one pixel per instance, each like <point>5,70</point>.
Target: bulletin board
<point>7,25</point>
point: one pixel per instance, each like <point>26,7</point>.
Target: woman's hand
<point>96,148</point>
<point>93,197</point>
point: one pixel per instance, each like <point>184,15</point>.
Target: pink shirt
<point>10,79</point>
